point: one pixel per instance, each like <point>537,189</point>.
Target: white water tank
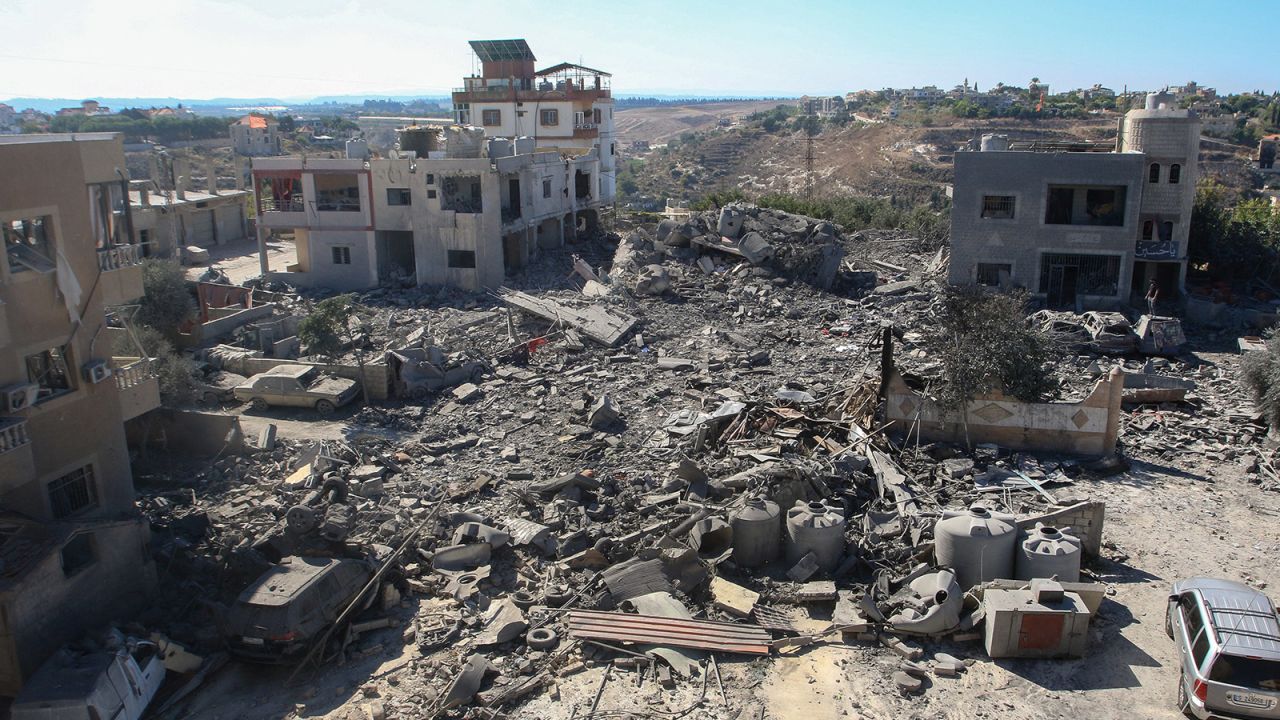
<point>357,149</point>
<point>816,527</point>
<point>977,543</point>
<point>499,148</point>
<point>525,145</point>
<point>1048,552</point>
<point>994,143</point>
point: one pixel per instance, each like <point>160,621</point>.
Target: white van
<point>102,685</point>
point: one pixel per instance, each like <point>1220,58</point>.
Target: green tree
<point>175,372</point>
<point>330,327</point>
<point>166,302</point>
<point>984,344</point>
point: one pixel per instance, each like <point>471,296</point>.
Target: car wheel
<point>259,404</point>
<point>210,398</point>
<point>324,407</point>
<point>419,393</point>
<point>1184,706</point>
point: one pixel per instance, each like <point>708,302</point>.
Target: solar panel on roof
<point>502,50</point>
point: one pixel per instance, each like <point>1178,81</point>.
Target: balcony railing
<point>118,257</point>
<point>134,374</point>
<point>339,205</point>
<point>13,434</point>
<point>294,204</point>
<point>585,126</point>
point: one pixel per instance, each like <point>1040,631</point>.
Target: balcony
<point>290,204</point>
<point>121,268</point>
<point>139,387</point>
<point>17,462</point>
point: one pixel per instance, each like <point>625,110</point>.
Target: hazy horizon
<point>237,49</point>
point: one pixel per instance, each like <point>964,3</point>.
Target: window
<point>431,194</point>
<point>462,259</point>
<point>73,492</point>
<point>613,148</point>
<point>462,193</point>
<point>1250,672</point>
<point>1166,231</point>
<point>1080,205</point>
<point>546,187</point>
<point>550,117</point>
<point>28,244</point>
<point>595,116</point>
<point>337,192</point>
<point>490,118</point>
<point>1190,614</point>
<point>1153,173</point>
<point>1148,230</point>
<point>79,553</point>
<point>1175,174</point>
<point>989,274</point>
<point>1200,648</point>
<point>997,207</point>
<point>398,196</point>
<point>1080,274</point>
<point>109,214</point>
<point>341,254</point>
<point>280,194</point>
<point>51,371</point>
<point>431,178</point>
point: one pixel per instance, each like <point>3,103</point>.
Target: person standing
<point>1153,294</point>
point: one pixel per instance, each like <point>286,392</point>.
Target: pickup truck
<point>297,386</point>
<point>75,685</point>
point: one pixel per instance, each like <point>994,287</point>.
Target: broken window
<point>73,492</point>
<point>79,553</point>
<point>462,194</point>
<point>337,192</point>
<point>462,259</point>
<point>997,207</point>
<point>341,254</point>
<point>109,215</point>
<point>990,274</point>
<point>398,196</point>
<point>28,244</point>
<point>550,117</point>
<point>50,370</point>
<point>1081,205</point>
<point>546,187</point>
<point>1175,174</point>
<point>462,113</point>
<point>582,182</point>
<point>1153,173</point>
<point>280,194</point>
<point>489,118</point>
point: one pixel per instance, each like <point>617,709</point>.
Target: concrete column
<point>211,178</point>
<point>262,247</point>
<point>1115,396</point>
<point>562,238</point>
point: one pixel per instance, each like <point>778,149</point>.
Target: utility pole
<point>808,165</point>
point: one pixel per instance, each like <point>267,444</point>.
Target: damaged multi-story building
<point>73,548</point>
<point>169,214</point>
<point>1080,225</point>
<point>456,205</point>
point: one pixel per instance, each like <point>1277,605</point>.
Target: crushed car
<point>84,685</point>
<point>297,386</point>
<point>214,387</point>
<point>420,371</point>
<point>277,617</point>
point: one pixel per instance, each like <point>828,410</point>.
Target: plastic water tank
<point>499,148</point>
<point>816,527</point>
<point>525,145</point>
<point>977,543</point>
<point>757,533</point>
<point>1047,552</point>
<point>994,143</point>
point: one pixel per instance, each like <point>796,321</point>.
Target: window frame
<point>486,116</point>
<point>458,259</point>
<point>403,198</point>
<point>1175,174</point>
<point>90,559</point>
<point>64,357</point>
<point>1153,174</point>
<point>978,272</point>
<point>546,188</point>
<point>48,223</point>
<point>989,210</point>
<point>57,492</point>
<point>552,113</point>
<point>340,254</point>
<point>1148,230</point>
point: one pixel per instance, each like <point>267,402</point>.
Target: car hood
<point>332,386</point>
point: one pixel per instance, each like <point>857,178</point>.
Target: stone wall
<point>1089,427</point>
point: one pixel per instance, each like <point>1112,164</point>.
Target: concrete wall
<point>1022,240</point>
<point>1085,520</point>
<point>48,609</point>
<point>376,377</point>
<point>1089,427</point>
<point>199,434</point>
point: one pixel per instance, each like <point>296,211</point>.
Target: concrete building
<point>73,548</point>
<point>255,136</point>
<point>166,221</point>
<point>564,106</point>
<point>87,107</point>
<point>450,207</point>
<point>1080,225</point>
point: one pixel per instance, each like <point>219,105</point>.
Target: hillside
<point>661,123</point>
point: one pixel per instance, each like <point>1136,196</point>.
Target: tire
<point>542,639</point>
<point>211,398</point>
<point>259,404</point>
<point>1184,705</point>
<point>324,407</point>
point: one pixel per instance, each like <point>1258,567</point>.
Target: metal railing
<point>134,374</point>
<point>585,126</point>
<point>13,434</point>
<point>294,204</point>
<point>118,257</point>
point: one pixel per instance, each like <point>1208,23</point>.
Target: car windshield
<point>1248,672</point>
<point>310,377</point>
<point>265,619</point>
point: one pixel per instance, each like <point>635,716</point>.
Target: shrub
<point>326,330</point>
<point>166,302</point>
<point>175,372</point>
<point>984,344</point>
<point>1260,374</point>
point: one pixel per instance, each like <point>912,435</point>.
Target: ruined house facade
<point>73,548</point>
<point>1080,225</point>
<point>563,106</point>
<point>449,208</point>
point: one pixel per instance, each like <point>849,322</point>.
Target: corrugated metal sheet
<point>699,634</point>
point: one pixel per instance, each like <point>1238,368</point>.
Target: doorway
<point>1063,284</point>
<point>396,261</point>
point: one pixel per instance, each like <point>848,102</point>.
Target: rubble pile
<point>686,434</point>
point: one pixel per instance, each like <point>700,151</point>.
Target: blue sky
<point>251,48</point>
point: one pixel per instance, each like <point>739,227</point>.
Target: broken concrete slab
<point>603,414</point>
<point>595,322</point>
<point>804,568</point>
<point>733,598</point>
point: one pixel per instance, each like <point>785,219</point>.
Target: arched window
<point>1153,175</point>
<point>1175,174</point>
<point>1148,230</point>
<point>1166,232</point>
